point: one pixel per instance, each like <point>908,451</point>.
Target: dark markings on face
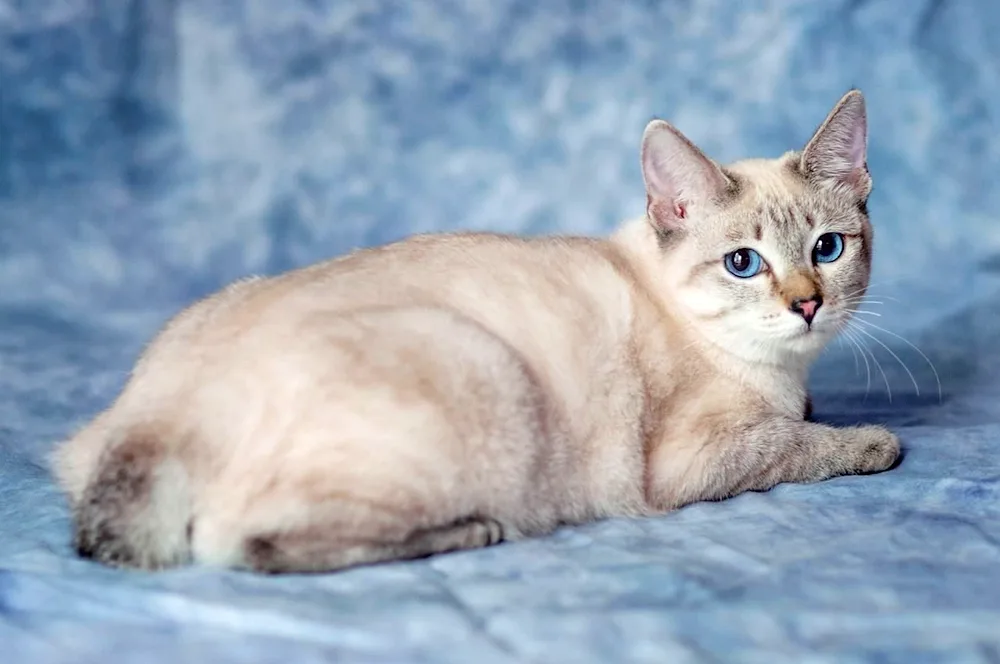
<point>774,285</point>
<point>817,277</point>
<point>667,237</point>
<point>793,165</point>
<point>788,224</point>
<point>865,247</point>
<point>734,184</point>
<point>800,285</point>
<point>788,220</point>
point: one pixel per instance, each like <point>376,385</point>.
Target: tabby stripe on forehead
<point>791,214</point>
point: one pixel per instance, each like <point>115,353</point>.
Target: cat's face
<point>767,258</point>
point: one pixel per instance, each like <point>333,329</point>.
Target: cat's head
<point>767,258</point>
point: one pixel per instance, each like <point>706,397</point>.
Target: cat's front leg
<point>758,456</point>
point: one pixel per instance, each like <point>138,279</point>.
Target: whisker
<point>867,313</point>
<point>868,370</point>
<point>909,343</point>
<point>867,290</point>
<point>863,289</point>
<point>870,297</point>
<point>854,352</point>
<point>855,306</point>
<point>885,378</point>
<point>860,300</point>
<point>887,297</point>
<point>897,358</point>
<point>878,365</point>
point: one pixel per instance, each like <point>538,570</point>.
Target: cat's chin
<point>792,352</point>
<point>794,347</point>
<point>807,342</point>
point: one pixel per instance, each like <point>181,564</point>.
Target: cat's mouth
<point>811,330</point>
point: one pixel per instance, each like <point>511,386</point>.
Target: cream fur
<point>449,391</point>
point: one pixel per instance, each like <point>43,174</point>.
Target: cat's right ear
<point>678,176</point>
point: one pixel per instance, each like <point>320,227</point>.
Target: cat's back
<point>562,305</point>
<point>457,269</point>
<point>515,286</point>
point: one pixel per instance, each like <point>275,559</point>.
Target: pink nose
<point>807,307</point>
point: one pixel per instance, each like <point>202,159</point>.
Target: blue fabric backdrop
<point>152,151</point>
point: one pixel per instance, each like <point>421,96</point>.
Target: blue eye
<point>744,263</point>
<point>828,248</point>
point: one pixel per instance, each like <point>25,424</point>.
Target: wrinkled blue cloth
<point>150,152</point>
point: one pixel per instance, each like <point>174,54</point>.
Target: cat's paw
<point>485,533</point>
<point>877,449</point>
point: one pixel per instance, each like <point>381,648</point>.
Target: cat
<point>451,391</point>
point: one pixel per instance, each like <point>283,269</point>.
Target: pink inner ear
<point>665,214</point>
<point>857,150</point>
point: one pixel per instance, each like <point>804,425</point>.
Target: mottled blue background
<point>152,150</point>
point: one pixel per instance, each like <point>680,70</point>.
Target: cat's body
<point>449,391</point>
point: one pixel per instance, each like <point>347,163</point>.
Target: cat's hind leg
<point>363,511</point>
<point>277,533</point>
<point>402,446</point>
<point>315,549</point>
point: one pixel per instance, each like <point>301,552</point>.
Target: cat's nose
<point>807,307</point>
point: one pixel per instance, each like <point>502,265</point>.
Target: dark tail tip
<point>110,513</point>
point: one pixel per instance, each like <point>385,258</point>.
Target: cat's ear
<point>677,174</point>
<point>837,154</point>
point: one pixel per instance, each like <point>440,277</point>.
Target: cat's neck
<point>781,381</point>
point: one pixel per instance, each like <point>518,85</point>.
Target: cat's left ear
<point>837,154</point>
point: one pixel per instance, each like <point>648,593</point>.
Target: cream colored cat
<point>451,391</point>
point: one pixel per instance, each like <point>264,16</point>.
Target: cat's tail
<point>136,509</point>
